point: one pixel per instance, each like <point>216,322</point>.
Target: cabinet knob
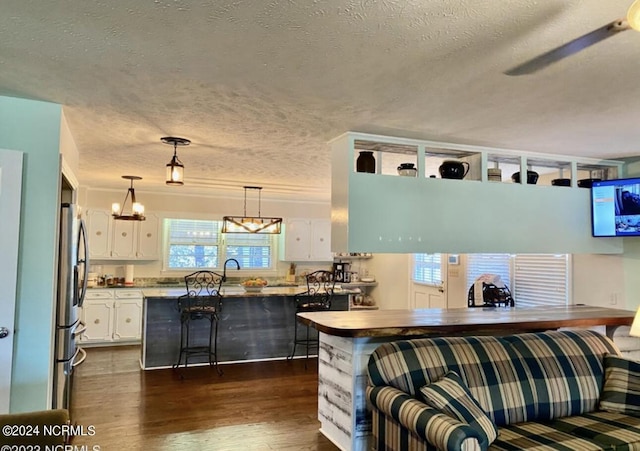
<point>321,240</point>
<point>128,320</point>
<point>96,321</point>
<point>149,235</point>
<point>298,239</point>
<point>124,233</point>
<point>98,233</point>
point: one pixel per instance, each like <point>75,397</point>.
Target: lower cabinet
<point>112,316</point>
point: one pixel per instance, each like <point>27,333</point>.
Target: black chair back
<point>203,292</point>
<point>320,286</point>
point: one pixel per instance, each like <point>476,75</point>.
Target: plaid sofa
<point>537,391</point>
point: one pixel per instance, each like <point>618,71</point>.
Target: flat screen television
<point>615,207</point>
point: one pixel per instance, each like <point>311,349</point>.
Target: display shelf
<point>384,212</point>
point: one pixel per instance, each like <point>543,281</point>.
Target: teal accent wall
<point>33,127</point>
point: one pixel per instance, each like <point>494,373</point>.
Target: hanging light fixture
<point>251,224</point>
<point>175,168</point>
<point>137,209</point>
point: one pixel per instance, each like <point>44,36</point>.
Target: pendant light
<point>251,224</point>
<point>175,168</point>
<point>137,209</point>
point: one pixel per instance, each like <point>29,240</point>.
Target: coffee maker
<point>342,272</point>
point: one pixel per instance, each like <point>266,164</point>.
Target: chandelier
<point>137,209</point>
<point>251,224</point>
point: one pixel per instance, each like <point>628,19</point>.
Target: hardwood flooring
<point>252,406</point>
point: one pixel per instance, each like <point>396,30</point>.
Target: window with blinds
<point>251,250</point>
<point>427,268</point>
<point>540,279</point>
<point>478,264</point>
<point>534,279</point>
<point>198,244</point>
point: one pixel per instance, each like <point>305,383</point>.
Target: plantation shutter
<point>541,280</point>
<point>478,264</point>
<point>426,269</point>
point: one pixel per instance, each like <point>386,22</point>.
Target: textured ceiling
<point>260,87</point>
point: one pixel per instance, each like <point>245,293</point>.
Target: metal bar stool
<point>317,298</point>
<point>202,301</point>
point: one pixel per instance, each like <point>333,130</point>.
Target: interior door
<point>432,294</point>
<point>10,200</point>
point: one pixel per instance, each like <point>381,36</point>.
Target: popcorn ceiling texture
<point>260,87</point>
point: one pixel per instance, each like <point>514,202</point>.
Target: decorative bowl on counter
<point>367,279</point>
<point>254,285</point>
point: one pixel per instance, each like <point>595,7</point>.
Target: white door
<point>431,293</point>
<point>10,200</point>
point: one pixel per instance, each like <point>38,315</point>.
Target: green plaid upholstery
<point>591,431</point>
<point>450,395</point>
<point>493,372</point>
<point>542,390</point>
<point>566,368</point>
<point>397,414</point>
<point>621,391</point>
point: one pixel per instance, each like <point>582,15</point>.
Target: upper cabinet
<point>122,240</point>
<point>306,240</point>
<point>424,197</point>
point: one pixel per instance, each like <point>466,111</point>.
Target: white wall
<point>392,274</point>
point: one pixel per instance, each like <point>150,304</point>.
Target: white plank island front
<point>347,339</point>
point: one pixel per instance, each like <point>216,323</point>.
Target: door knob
<point>4,332</point>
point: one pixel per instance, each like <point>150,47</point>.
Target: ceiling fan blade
<point>570,48</point>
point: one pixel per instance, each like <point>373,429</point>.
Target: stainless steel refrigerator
<point>73,267</point>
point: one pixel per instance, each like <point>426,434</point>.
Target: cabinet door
<point>148,232</point>
<point>321,240</point>
<point>127,319</point>
<point>123,244</point>
<point>99,228</point>
<point>297,235</point>
<point>97,315</point>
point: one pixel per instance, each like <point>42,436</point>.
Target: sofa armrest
<point>33,423</point>
<point>437,428</point>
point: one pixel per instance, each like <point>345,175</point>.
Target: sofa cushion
<point>494,373</point>
<point>592,431</point>
<point>621,391</point>
<point>452,397</point>
<point>566,368</point>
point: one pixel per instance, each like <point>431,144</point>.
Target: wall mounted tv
<point>615,207</point>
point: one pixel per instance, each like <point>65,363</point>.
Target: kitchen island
<point>348,338</point>
<point>252,326</point>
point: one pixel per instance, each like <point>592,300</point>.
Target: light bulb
<point>633,15</point>
<point>137,208</point>
<point>115,208</point>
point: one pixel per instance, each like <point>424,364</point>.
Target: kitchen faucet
<point>224,273</point>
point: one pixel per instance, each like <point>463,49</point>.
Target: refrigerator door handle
<point>81,359</point>
<point>80,329</point>
<point>83,243</point>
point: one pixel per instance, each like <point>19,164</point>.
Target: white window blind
<point>251,250</point>
<point>540,280</point>
<point>534,279</point>
<point>478,264</point>
<point>426,268</point>
<point>198,244</point>
<point>192,244</point>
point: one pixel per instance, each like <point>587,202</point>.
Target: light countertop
<point>235,292</point>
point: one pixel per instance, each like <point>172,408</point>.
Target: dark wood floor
<point>252,406</point>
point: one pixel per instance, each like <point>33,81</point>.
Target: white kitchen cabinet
<point>307,240</point>
<point>111,239</point>
<point>112,316</point>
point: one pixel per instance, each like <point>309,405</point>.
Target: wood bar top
<point>385,323</point>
